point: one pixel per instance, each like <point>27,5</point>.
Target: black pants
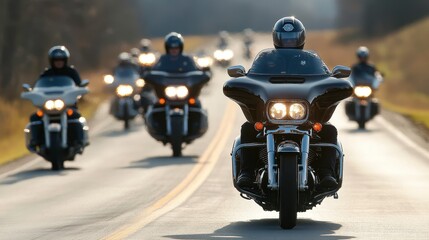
<point>249,155</point>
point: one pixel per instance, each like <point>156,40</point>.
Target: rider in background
<point>58,57</point>
<point>364,69</point>
<point>174,61</point>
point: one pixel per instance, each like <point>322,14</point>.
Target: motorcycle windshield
<point>125,75</point>
<point>193,80</point>
<point>362,79</point>
<point>288,62</point>
<point>54,81</point>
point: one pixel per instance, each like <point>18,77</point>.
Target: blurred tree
<point>88,28</point>
<point>380,17</point>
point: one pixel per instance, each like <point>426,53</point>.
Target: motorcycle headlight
<point>140,83</point>
<point>147,59</point>
<point>363,91</point>
<point>124,90</point>
<point>297,111</point>
<point>218,54</point>
<point>57,104</point>
<point>204,62</point>
<point>228,54</point>
<point>176,92</point>
<point>108,79</point>
<point>278,111</point>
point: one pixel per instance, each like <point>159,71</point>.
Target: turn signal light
<point>259,126</point>
<point>192,101</point>
<point>162,101</point>
<point>39,113</point>
<point>317,127</point>
<point>69,112</point>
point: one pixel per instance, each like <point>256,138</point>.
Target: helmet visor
<point>289,39</point>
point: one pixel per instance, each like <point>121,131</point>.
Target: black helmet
<point>135,52</point>
<point>362,52</point>
<point>58,53</point>
<point>289,32</point>
<point>173,40</point>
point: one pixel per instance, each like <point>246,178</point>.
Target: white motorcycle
<point>57,126</point>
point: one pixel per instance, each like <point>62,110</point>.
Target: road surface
<point>126,186</point>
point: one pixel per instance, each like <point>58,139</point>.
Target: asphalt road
<point>126,186</point>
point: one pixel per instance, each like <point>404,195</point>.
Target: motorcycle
<point>177,117</point>
<point>363,106</point>
<point>127,84</point>
<point>287,102</point>
<point>223,56</point>
<point>55,98</point>
<point>147,95</point>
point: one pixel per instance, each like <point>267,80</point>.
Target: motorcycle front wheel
<point>362,120</point>
<point>176,135</point>
<point>288,190</point>
<point>56,152</point>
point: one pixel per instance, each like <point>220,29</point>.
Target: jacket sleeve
<point>75,76</point>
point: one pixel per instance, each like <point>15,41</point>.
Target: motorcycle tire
<point>56,152</point>
<point>176,135</point>
<point>288,190</point>
<point>362,119</point>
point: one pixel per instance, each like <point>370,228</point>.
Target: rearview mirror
<point>341,71</point>
<point>26,87</point>
<point>84,83</point>
<point>236,71</point>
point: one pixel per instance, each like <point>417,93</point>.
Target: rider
<point>58,57</point>
<point>363,65</point>
<point>174,61</point>
<point>125,60</point>
<point>145,45</point>
<point>288,33</point>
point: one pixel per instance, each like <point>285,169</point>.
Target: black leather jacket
<point>68,71</point>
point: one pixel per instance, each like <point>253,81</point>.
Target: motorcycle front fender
<point>288,147</point>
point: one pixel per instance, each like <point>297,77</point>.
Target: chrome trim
<point>64,126</point>
<point>272,166</point>
<point>185,119</point>
<point>45,120</point>
<point>302,174</point>
<point>236,149</point>
<point>167,120</point>
<point>339,149</point>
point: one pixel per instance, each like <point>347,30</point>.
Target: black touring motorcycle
<point>177,117</point>
<point>287,101</point>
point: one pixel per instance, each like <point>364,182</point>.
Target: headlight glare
<point>176,92</point>
<point>57,104</point>
<point>147,59</point>
<point>124,90</point>
<point>204,62</point>
<point>108,79</point>
<point>278,111</point>
<point>297,111</point>
<point>363,91</point>
<point>140,83</point>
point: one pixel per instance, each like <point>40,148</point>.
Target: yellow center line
<point>189,184</point>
